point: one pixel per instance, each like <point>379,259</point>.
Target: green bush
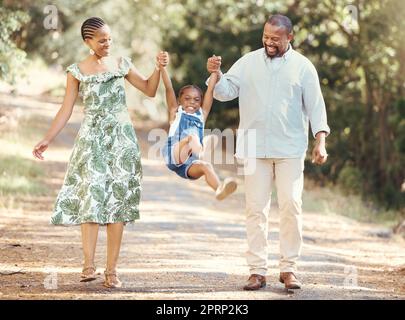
<point>12,58</point>
<point>350,180</point>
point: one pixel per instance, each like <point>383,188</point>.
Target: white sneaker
<point>226,188</point>
<point>209,144</point>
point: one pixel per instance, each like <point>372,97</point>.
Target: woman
<point>102,182</point>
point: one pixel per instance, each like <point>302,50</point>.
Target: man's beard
<point>274,53</point>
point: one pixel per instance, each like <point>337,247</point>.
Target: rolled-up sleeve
<point>227,88</point>
<point>314,103</point>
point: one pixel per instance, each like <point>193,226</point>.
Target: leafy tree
<point>12,58</point>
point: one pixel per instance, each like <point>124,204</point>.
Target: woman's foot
<point>111,280</point>
<point>227,187</point>
<point>88,274</point>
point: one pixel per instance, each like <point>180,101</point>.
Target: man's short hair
<point>280,21</point>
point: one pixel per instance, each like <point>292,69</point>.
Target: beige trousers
<point>289,179</point>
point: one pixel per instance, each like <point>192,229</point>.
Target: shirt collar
<point>288,52</point>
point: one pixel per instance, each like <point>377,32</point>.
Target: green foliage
<point>361,70</point>
<point>350,180</point>
<point>11,57</point>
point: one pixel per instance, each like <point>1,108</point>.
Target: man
<point>279,94</point>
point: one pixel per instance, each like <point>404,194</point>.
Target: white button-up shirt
<point>277,97</point>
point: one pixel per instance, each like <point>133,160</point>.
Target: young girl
<point>184,148</point>
<point>102,182</point>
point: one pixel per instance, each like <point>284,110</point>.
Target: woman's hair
<point>190,86</point>
<point>90,26</point>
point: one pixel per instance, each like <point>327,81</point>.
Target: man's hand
<point>319,154</point>
<point>214,64</point>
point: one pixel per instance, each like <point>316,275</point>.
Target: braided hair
<point>90,26</point>
<point>191,86</point>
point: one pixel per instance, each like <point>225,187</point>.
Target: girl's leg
<point>89,241</point>
<point>222,190</point>
<point>114,237</point>
<point>182,149</point>
<point>195,145</point>
<point>201,168</point>
<point>209,144</point>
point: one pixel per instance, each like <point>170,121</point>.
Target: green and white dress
<point>102,182</point>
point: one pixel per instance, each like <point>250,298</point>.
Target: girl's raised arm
<point>209,95</point>
<point>171,100</point>
<point>61,118</point>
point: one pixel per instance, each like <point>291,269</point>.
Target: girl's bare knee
<point>206,166</point>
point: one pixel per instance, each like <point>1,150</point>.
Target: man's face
<point>275,40</point>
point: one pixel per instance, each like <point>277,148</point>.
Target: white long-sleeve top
<point>277,97</point>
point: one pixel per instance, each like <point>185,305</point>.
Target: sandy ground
<point>186,245</point>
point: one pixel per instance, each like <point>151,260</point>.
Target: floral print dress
<point>102,182</point>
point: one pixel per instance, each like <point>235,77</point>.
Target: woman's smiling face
<point>101,41</point>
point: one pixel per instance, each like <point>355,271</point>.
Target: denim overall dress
<point>185,124</point>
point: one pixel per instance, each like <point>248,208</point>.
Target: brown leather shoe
<point>290,280</point>
<point>255,282</point>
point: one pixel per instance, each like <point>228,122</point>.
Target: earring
<point>92,52</point>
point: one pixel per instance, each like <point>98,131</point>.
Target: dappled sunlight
<point>187,244</point>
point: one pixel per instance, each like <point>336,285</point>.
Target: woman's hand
<point>162,59</point>
<point>40,148</point>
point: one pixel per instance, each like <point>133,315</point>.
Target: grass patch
<point>20,176</point>
<point>331,200</point>
<point>26,132</point>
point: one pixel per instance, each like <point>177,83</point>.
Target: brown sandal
<point>112,280</point>
<point>88,274</point>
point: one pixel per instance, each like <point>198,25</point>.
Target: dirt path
<point>186,245</point>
